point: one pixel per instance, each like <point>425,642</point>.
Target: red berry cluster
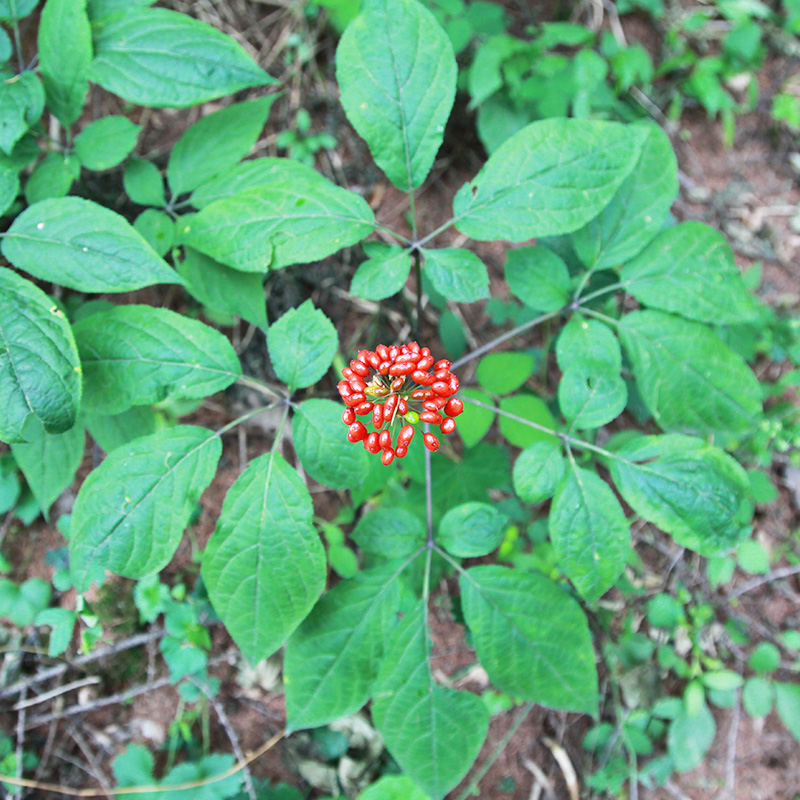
<point>387,384</point>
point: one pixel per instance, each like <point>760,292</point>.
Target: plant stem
<point>249,415</point>
<point>418,275</point>
<point>17,39</point>
<point>600,292</point>
<point>602,317</point>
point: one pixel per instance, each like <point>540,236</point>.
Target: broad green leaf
<point>134,767</point>
<point>589,532</point>
<point>550,178</point>
<point>397,73</point>
<point>101,10</point>
<point>531,637</point>
<point>690,736</point>
<point>301,346</point>
<point>332,659</point>
<point>433,733</point>
<point>318,436</point>
<point>16,9</point>
<point>223,289</point>
<point>538,471</point>
<point>527,407</point>
<point>65,53</point>
<point>389,532</point>
<point>137,355</point>
<point>23,603</point>
<point>758,696</point>
<point>131,511</point>
<point>49,461</point>
<point>393,787</point>
<point>471,530</point>
<point>157,228</point>
<point>156,57</point>
<point>503,373</point>
<point>590,395</point>
<point>264,565</point>
<point>202,773</point>
<point>688,488</point>
<point>765,658</point>
<point>538,277</point>
<point>9,187</point>
<point>83,246</point>
<point>216,143</point>
<point>53,176</point>
<point>787,701</point>
<point>474,422</point>
<point>383,275</point>
<point>114,430</point>
<point>585,343</point>
<point>21,105</point>
<point>251,175</point>
<point>637,211</point>
<point>689,270</point>
<point>62,623</point>
<point>689,379</point>
<point>106,142</point>
<point>40,373</point>
<point>457,274</point>
<point>297,217</point>
<point>143,183</point>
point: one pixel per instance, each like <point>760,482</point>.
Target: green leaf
<point>106,142</point>
<point>538,471</point>
<point>690,736</point>
<point>585,343</point>
<point>131,511</point>
<point>397,74</point>
<point>393,787</point>
<point>49,461</point>
<point>688,378</point>
<point>216,143</point>
<point>137,355</point>
<point>758,696</point>
<point>134,767</point>
<point>156,57</point>
<point>637,211</point>
<point>318,436</point>
<point>143,183</point>
<point>112,431</point>
<point>389,532</point>
<point>531,637</point>
<point>332,658</point>
<point>528,407</point>
<point>686,487</point>
<point>690,270</point>
<point>383,275</point>
<point>65,53</point>
<point>297,217</point>
<point>157,228</point>
<point>223,289</point>
<point>538,277</point>
<point>53,176</point>
<point>264,565</point>
<point>21,105</point>
<point>83,246</point>
<point>301,346</point>
<point>433,733</point>
<point>472,529</point>
<point>101,10</point>
<point>9,187</point>
<point>591,396</point>
<point>474,422</point>
<point>457,274</point>
<point>203,772</point>
<point>503,373</point>
<point>589,532</point>
<point>16,9</point>
<point>787,701</point>
<point>765,658</point>
<point>40,373</point>
<point>722,680</point>
<point>550,178</point>
<point>23,603</point>
<point>62,623</point>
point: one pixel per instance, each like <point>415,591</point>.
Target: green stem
<point>600,292</point>
<point>17,38</point>
<point>418,276</point>
<point>602,317</point>
<point>435,233</point>
<point>249,415</point>
<point>259,386</point>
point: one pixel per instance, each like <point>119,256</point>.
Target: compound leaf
<point>40,373</point>
<point>131,511</point>
<point>397,74</point>
<point>83,246</point>
<point>531,637</point>
<point>264,565</point>
<point>332,658</point>
<point>550,178</point>
<point>384,274</point>
<point>457,274</point>
<point>136,355</point>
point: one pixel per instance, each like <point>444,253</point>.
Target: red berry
<point>453,381</point>
<point>441,374</point>
<point>443,364</point>
<point>413,347</point>
<point>359,368</point>
<point>344,389</point>
<point>385,438</point>
<point>356,432</point>
<point>363,356</point>
<point>405,436</point>
<point>382,351</point>
<point>363,408</point>
<point>377,415</point>
<point>441,388</point>
<point>348,416</point>
<point>431,442</point>
<point>371,442</point>
<point>402,368</point>
<point>347,373</point>
<point>402,406</point>
<point>389,406</point>
<point>394,351</point>
<point>454,407</point>
<point>355,399</point>
<point>387,456</point>
<point>401,451</point>
<point>448,425</point>
<point>383,367</point>
<point>434,404</point>
<point>358,384</point>
<point>430,416</point>
<point>374,360</point>
<point>426,362</point>
<point>397,383</point>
